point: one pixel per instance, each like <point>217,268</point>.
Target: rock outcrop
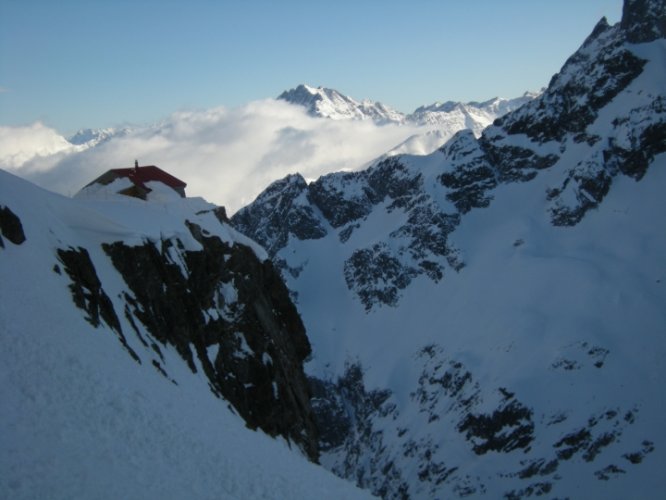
<point>10,227</point>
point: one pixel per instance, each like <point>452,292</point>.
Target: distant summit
<point>329,103</point>
<point>471,115</point>
<point>442,119</point>
<point>90,137</point>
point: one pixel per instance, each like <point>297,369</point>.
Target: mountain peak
<point>446,118</point>
<point>600,28</point>
<point>644,20</point>
<point>329,103</point>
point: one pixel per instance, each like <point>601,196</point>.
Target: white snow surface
<point>80,418</point>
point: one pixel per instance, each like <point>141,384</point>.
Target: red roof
<point>140,175</point>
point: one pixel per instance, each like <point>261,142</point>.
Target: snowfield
<point>82,419</point>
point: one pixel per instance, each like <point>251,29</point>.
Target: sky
<point>75,64</point>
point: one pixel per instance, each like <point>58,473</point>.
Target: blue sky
<point>73,64</point>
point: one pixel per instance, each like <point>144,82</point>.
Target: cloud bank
<point>19,145</point>
<point>227,156</point>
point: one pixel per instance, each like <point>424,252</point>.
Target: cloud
<point>20,145</point>
<point>227,156</point>
<point>3,90</point>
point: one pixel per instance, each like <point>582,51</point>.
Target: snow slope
<point>83,419</point>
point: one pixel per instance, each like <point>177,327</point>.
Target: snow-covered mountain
<point>488,320</point>
<point>141,340</point>
<point>329,103</point>
<point>448,117</point>
<point>89,137</point>
<point>438,121</point>
<point>454,116</point>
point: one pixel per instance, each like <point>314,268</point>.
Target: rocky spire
<point>644,20</point>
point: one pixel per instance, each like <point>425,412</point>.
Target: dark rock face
<point>347,413</point>
<point>448,389</point>
<point>505,429</point>
<point>391,179</point>
<point>88,294</point>
<point>338,204</point>
<point>279,211</point>
<point>301,96</point>
<point>347,197</point>
<point>515,163</point>
<point>377,275</point>
<point>472,175</point>
<point>10,227</point>
<point>589,80</point>
<point>343,201</point>
<point>223,310</point>
<point>644,20</point>
<point>637,138</point>
<point>367,438</point>
<point>591,182</point>
<point>259,339</point>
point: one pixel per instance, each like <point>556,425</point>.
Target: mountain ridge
<point>329,103</point>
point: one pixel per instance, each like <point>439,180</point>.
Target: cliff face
<point>230,315</point>
<point>175,276</point>
<point>644,20</point>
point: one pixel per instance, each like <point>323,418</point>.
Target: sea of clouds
<point>228,156</point>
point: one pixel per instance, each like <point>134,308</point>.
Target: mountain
<point>142,340</point>
<point>329,103</point>
<point>440,121</point>
<point>89,137</point>
<point>487,320</point>
<point>475,116</point>
<point>449,116</point>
